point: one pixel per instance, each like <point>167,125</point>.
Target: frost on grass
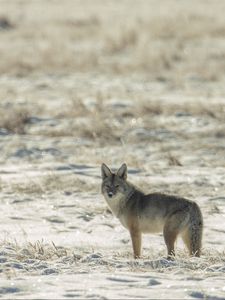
<point>46,259</point>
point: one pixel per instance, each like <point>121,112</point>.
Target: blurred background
<point>74,74</point>
<point>171,40</point>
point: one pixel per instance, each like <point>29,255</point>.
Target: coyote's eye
<point>117,185</point>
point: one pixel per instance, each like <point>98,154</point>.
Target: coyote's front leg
<point>135,234</point>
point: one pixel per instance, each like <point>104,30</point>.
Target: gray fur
<point>152,213</point>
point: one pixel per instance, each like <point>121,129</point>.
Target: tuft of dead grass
<point>34,250</point>
<point>173,161</point>
<point>14,120</point>
<point>126,39</point>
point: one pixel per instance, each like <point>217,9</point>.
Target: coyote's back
<point>141,213</point>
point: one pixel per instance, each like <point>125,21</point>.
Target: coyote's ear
<point>122,172</point>
<point>105,171</point>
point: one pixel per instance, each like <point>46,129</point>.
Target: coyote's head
<point>114,184</point>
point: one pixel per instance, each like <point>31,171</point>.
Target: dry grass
<point>104,124</point>
<point>211,261</point>
<point>52,182</point>
<point>99,126</point>
<point>173,161</point>
<point>141,108</point>
<point>67,182</point>
<point>192,108</point>
<point>162,45</point>
<point>142,120</point>
<point>36,250</point>
<point>14,120</point>
<point>172,49</point>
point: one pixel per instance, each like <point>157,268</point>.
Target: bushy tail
<point>195,230</point>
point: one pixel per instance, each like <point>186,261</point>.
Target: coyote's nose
<point>110,194</point>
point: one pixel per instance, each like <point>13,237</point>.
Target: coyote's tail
<point>195,230</point>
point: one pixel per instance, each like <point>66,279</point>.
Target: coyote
<point>151,213</point>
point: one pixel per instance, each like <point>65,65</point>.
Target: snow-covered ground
<point>78,89</point>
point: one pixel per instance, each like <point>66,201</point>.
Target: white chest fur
<point>115,203</point>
